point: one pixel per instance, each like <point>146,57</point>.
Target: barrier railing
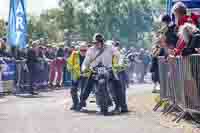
<point>7,75</point>
<point>15,76</point>
<point>180,85</point>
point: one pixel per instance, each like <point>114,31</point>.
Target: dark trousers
<point>89,86</point>
<point>32,76</point>
<point>75,88</point>
<point>118,89</point>
<point>64,74</point>
<point>99,92</point>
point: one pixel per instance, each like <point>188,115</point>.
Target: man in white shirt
<point>105,57</point>
<point>99,53</point>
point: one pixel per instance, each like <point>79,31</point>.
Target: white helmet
<point>83,44</point>
<point>109,42</point>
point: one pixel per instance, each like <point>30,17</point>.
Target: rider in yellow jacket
<point>74,63</point>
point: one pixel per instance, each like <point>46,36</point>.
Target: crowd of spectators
<point>45,63</point>
<point>177,38</point>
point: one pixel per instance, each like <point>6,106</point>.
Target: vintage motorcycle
<point>102,75</point>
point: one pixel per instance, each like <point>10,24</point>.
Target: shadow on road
<point>32,96</point>
<point>94,112</point>
<point>89,112</point>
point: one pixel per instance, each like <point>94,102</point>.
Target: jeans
<point>87,90</point>
<point>118,89</point>
<point>32,76</point>
<point>75,88</point>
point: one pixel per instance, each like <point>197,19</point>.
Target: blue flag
<point>189,4</point>
<point>17,24</point>
<point>169,6</point>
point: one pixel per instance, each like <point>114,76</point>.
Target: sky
<point>34,6</point>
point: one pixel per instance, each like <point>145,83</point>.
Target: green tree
<point>129,21</point>
<point>2,28</point>
<point>47,25</point>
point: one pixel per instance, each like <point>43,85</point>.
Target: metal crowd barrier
<point>191,92</point>
<point>180,84</point>
<point>167,75</point>
<point>23,76</point>
<point>14,76</point>
<point>7,75</point>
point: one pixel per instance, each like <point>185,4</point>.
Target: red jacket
<point>180,46</point>
<point>181,43</point>
<point>193,18</point>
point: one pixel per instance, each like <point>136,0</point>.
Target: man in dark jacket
<point>170,34</point>
<point>32,67</point>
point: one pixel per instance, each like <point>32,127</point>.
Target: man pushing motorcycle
<point>99,61</point>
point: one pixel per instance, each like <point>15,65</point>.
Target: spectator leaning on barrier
<point>180,12</point>
<point>191,35</point>
<point>181,15</point>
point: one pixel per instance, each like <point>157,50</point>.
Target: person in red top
<point>180,12</point>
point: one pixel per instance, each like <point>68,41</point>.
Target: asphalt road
<point>49,113</point>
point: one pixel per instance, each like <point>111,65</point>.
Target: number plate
<point>101,70</point>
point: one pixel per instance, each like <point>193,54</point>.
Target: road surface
<point>49,113</point>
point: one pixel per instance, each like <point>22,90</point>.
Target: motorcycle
<point>101,75</point>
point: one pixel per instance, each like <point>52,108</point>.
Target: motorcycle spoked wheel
<point>103,98</point>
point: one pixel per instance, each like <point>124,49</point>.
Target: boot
<point>79,107</point>
<point>124,109</point>
<point>75,101</point>
<point>104,111</point>
<point>74,107</point>
<point>116,111</point>
<point>58,85</point>
<point>51,86</point>
<point>34,93</point>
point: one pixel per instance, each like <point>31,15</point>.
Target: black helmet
<point>98,38</point>
<point>117,44</point>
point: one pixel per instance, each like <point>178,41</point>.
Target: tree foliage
<point>127,21</point>
<point>2,28</point>
<point>47,25</point>
<point>130,21</point>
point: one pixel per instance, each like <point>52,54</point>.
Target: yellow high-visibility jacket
<point>73,65</point>
<point>114,63</point>
<point>116,66</point>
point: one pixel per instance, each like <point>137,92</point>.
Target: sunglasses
<point>83,50</point>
